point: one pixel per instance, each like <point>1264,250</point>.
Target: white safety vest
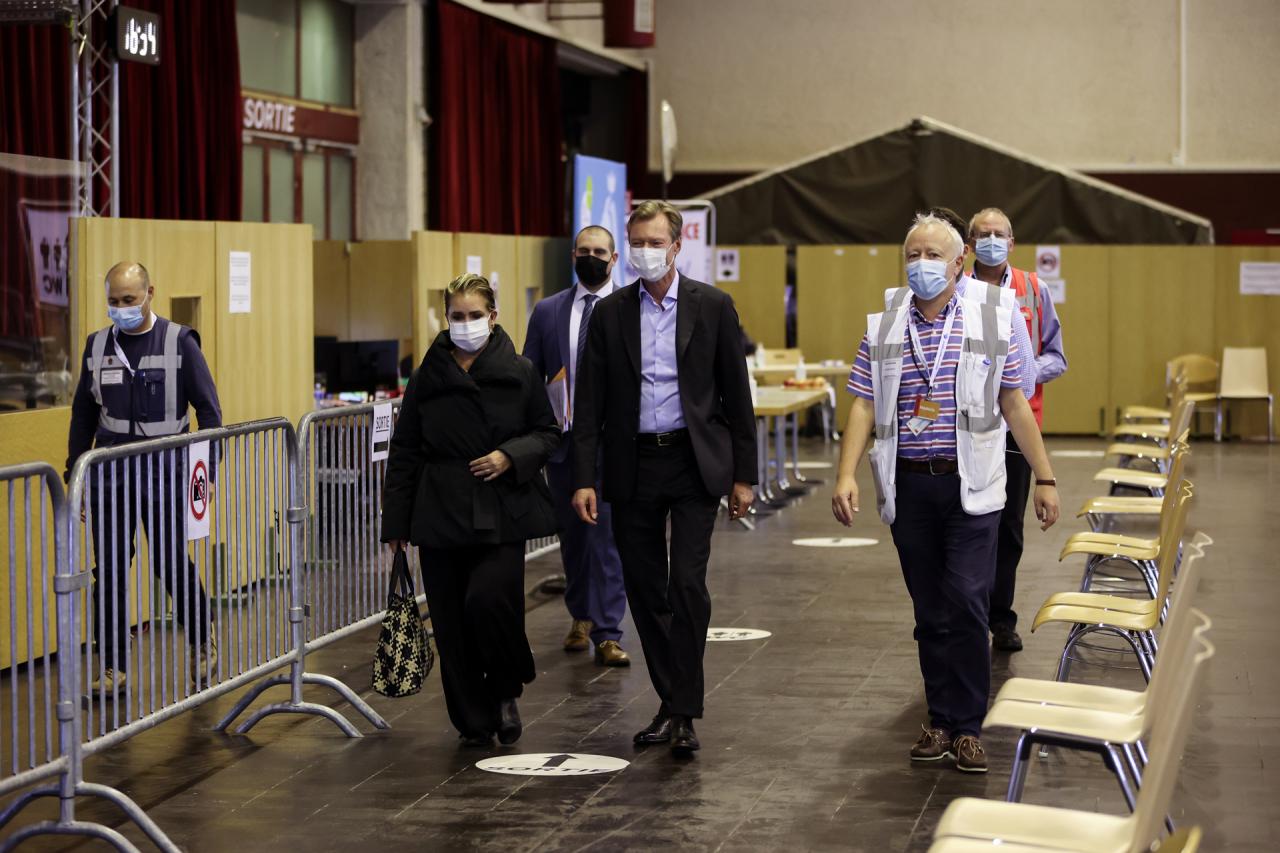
<point>980,428</point>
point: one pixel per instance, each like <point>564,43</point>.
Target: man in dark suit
<point>663,384</point>
<point>593,593</point>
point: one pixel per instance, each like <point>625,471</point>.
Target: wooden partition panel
<point>1078,402</point>
<point>265,357</point>
<point>178,256</point>
<point>1246,321</point>
<point>330,267</point>
<point>497,254</point>
<point>543,266</point>
<point>1162,305</point>
<point>760,293</point>
<point>836,288</point>
<point>380,297</point>
<point>432,272</point>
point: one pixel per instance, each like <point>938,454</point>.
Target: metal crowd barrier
<point>186,615</point>
<point>37,532</point>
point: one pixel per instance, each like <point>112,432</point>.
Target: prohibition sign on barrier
<point>198,492</point>
<point>552,764</point>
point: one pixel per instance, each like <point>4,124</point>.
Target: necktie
<point>588,303</point>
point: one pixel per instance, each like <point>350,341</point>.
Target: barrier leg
<point>84,828</point>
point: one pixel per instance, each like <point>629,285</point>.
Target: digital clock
<point>137,35</point>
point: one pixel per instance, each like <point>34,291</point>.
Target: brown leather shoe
<point>609,653</point>
<point>933,745</point>
<point>970,756</point>
<point>579,639</point>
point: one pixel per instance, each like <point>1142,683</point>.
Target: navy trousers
<point>594,589</point>
<point>948,562</point>
<point>1009,549</point>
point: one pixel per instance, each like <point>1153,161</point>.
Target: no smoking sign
<point>198,491</point>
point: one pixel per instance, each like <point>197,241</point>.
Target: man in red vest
<point>991,240</point>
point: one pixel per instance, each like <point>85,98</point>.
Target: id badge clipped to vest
<point>926,412</point>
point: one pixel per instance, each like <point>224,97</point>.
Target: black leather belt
<point>934,466</point>
<point>663,439</point>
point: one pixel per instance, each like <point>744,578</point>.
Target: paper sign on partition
<point>558,394</point>
<point>199,495</point>
<point>383,423</point>
<point>240,281</point>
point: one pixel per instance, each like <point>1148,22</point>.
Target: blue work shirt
<point>660,408</point>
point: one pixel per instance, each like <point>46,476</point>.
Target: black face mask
<point>592,271</point>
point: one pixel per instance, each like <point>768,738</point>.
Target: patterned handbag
<point>404,657</point>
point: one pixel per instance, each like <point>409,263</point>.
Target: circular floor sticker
<point>814,465</point>
<point>729,635</point>
<point>836,542</point>
<point>1078,454</point>
<point>552,764</point>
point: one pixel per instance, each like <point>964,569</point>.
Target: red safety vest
<point>1033,312</point>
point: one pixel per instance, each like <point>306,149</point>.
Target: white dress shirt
<point>575,323</point>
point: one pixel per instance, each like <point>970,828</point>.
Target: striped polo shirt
<point>938,440</point>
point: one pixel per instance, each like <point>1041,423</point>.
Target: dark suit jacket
<point>714,392</point>
<point>450,417</point>
<point>546,343</point>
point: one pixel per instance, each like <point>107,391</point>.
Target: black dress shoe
<point>477,741</point>
<point>1006,640</point>
<point>509,725</point>
<point>683,740</point>
<point>659,731</point>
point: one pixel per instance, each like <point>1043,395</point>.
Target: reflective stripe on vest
<point>1026,286</point>
<point>169,360</point>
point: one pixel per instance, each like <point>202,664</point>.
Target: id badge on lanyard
<point>927,410</point>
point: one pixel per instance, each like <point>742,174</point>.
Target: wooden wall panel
<point>432,272</point>
<point>497,253</point>
<point>1078,402</point>
<point>1162,305</point>
<point>178,256</point>
<point>266,357</point>
<point>760,293</point>
<point>836,288</point>
<point>543,266</point>
<point>1246,321</point>
<point>380,295</point>
<point>330,268</point>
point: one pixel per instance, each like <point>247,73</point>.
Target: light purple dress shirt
<point>660,409</point>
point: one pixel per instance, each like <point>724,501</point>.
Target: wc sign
<point>198,491</point>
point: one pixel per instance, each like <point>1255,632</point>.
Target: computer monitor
<point>366,366</point>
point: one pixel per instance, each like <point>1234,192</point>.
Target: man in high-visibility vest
<point>991,239</point>
<point>138,378</point>
<point>936,381</point>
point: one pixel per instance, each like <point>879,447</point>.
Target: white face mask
<point>652,264</point>
<point>469,335</point>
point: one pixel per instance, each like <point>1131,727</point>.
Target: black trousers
<point>948,562</point>
<point>1009,549</point>
<point>152,491</point>
<point>667,590</point>
<point>476,599</point>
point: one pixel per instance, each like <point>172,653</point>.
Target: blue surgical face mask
<point>127,319</point>
<point>927,278</point>
<point>992,251</point>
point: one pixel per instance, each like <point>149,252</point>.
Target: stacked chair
<point>1146,599</point>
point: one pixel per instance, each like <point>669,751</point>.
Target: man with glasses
<point>991,240</point>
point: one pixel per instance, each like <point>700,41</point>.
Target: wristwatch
<point>1053,482</point>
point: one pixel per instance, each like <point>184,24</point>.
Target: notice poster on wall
<point>600,198</point>
<point>1049,261</point>
<point>1259,279</point>
<point>198,493</point>
<point>241,282</point>
<point>727,265</point>
<point>475,265</point>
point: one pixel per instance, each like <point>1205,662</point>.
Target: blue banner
<point>600,198</point>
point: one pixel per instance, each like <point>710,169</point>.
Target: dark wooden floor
<point>806,736</point>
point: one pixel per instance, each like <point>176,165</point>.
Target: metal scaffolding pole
<point>95,118</point>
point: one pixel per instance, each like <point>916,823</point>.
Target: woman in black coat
<point>464,483</point>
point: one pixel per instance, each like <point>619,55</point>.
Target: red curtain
<point>496,141</point>
<point>180,121</point>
